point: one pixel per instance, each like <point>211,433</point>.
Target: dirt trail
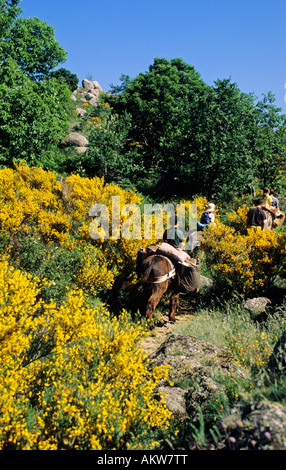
<point>164,328</point>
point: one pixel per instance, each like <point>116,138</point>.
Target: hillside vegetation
<point>74,371</point>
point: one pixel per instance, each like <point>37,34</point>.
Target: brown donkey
<point>160,275</point>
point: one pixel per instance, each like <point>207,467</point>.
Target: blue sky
<point>244,40</point>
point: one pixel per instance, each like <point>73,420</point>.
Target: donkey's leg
<point>151,305</point>
<point>174,304</point>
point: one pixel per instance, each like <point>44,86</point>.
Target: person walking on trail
<point>207,217</point>
<point>267,199</point>
<point>275,202</point>
<point>173,235</point>
<point>256,218</point>
<point>251,189</point>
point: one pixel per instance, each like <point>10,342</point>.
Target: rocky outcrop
<point>80,111</point>
<point>74,139</point>
<point>192,361</point>
<point>191,385</point>
<point>257,305</point>
<point>256,426</point>
<point>206,283</point>
<point>87,93</point>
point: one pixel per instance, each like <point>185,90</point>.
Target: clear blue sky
<point>241,39</point>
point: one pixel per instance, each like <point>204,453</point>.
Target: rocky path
<point>195,363</point>
<point>164,328</point>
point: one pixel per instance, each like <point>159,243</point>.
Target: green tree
<point>158,101</point>
<point>8,13</point>
<point>193,138</point>
<point>223,140</point>
<point>117,89</point>
<point>33,117</point>
<point>67,77</point>
<point>270,149</point>
<point>33,107</point>
<point>31,43</point>
<point>110,151</point>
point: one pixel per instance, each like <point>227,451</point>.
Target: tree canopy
<point>193,138</point>
<point>31,43</point>
<point>67,77</point>
<point>33,106</point>
<point>166,131</point>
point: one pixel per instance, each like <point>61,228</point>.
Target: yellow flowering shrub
<point>244,262</point>
<point>72,377</point>
<point>27,196</point>
<point>84,192</point>
<point>53,226</point>
<point>34,202</point>
<point>94,274</point>
<point>199,202</point>
<point>237,219</point>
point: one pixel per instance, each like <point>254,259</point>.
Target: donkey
<point>275,217</point>
<point>161,275</point>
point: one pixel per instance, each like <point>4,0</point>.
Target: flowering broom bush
<point>36,205</point>
<point>241,260</point>
<point>72,377</point>
<point>253,353</point>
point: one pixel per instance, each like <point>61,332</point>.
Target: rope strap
<point>169,275</point>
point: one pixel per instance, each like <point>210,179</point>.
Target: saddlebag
<point>190,277</point>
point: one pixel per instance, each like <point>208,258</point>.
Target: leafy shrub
<point>243,262</point>
<point>33,117</point>
<point>67,77</point>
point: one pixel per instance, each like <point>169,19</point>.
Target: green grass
<point>250,344</point>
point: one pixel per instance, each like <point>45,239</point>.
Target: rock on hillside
<point>194,366</point>
<point>256,426</point>
<point>192,360</point>
<point>257,305</point>
<point>87,93</point>
<point>75,139</point>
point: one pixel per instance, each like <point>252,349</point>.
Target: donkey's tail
<point>143,279</point>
